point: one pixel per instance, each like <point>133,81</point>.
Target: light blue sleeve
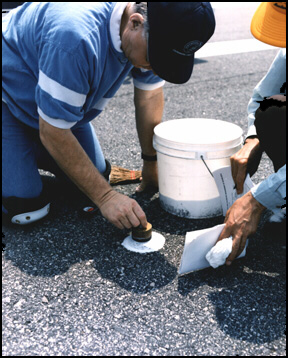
<point>62,86</point>
<point>271,192</point>
<point>146,80</point>
<point>270,85</point>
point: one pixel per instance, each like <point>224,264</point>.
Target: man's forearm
<point>73,160</point>
<point>149,110</point>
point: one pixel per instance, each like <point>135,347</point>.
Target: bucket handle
<point>201,156</point>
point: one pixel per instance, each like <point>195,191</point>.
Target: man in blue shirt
<point>266,132</point>
<point>61,63</point>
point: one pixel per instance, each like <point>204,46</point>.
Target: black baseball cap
<point>176,31</point>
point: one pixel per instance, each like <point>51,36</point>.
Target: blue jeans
<point>23,153</point>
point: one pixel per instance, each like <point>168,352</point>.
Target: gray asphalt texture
<point>70,288</point>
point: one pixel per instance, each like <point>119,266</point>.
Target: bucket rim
<point>238,132</point>
<point>160,141</point>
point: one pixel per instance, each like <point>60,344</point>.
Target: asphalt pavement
<point>69,288</point>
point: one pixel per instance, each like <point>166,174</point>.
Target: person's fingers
<point>141,187</point>
<point>130,221</point>
<point>241,175</point>
<point>241,245</point>
<point>234,168</point>
<point>238,245</point>
<point>125,222</point>
<point>141,217</point>
<point>117,223</point>
<point>233,253</point>
<point>238,171</point>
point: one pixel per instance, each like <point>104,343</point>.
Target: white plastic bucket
<point>185,148</point>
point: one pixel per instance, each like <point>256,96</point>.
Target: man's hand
<point>149,176</point>
<point>249,154</point>
<point>122,211</point>
<point>241,220</point>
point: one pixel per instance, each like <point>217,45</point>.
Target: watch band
<point>149,158</point>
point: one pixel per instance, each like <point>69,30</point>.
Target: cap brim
<point>178,69</point>
<point>269,26</point>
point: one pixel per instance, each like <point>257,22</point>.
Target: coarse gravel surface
<point>69,287</point>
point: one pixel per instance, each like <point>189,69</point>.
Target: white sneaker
<point>30,217</point>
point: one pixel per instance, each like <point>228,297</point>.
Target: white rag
<point>219,253</point>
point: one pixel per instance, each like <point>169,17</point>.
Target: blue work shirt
<point>63,61</point>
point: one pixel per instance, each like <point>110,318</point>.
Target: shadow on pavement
<point>50,247</point>
<point>247,298</point>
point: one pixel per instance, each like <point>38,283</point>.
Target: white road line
<point>232,47</point>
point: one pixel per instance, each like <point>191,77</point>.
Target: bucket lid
<point>198,134</point>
